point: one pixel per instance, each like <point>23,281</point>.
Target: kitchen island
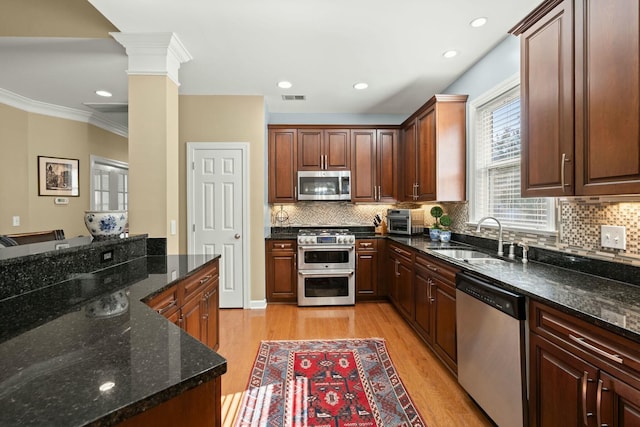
<point>88,351</point>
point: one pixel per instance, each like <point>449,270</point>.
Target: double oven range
<point>326,267</point>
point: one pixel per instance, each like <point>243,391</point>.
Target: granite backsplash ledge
<point>27,273</point>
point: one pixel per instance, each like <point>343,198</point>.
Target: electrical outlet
<point>16,221</point>
<point>613,236</point>
<point>613,317</point>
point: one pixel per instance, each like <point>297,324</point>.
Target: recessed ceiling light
<point>360,86</point>
<point>478,22</point>
<point>104,93</point>
<point>450,53</point>
<point>284,84</point>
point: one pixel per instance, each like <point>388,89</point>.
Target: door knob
<point>237,236</point>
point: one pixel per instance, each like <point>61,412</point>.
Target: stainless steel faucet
<point>500,252</point>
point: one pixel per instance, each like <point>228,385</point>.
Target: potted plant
<point>445,233</point>
<point>434,231</point>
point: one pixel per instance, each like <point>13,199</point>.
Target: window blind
<point>497,167</point>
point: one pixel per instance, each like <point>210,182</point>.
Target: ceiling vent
<point>108,107</point>
<point>293,97</point>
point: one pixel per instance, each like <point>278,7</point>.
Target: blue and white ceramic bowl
<point>105,224</point>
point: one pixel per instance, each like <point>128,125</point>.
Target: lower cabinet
<point>189,409</point>
<point>281,268</point>
<point>401,279</point>
<point>435,307</point>
<point>193,304</point>
<point>580,374</point>
<point>367,265</point>
<point>423,290</point>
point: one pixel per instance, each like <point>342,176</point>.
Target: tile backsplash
<point>579,221</point>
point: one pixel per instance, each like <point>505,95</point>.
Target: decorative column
<point>154,61</point>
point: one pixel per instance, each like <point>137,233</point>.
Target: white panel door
<point>217,191</point>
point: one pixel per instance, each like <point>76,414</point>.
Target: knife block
<point>382,228</point>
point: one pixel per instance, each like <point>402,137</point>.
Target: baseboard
<point>258,304</point>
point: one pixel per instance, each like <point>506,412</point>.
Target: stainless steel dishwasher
<point>490,325</point>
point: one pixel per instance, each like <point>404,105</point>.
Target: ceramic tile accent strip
<point>579,221</point>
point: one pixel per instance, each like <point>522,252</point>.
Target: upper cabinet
<point>324,149</point>
<point>580,83</point>
<point>374,176</point>
<point>434,151</point>
<point>283,145</point>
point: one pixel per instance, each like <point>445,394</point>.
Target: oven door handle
<point>325,248</point>
<point>326,273</point>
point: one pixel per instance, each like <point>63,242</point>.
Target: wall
<point>229,119</point>
<point>25,136</point>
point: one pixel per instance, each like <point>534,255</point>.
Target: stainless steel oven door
<point>326,257</point>
<point>335,287</point>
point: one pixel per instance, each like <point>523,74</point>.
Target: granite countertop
<point>57,350</point>
<point>592,298</point>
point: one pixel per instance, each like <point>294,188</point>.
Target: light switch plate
<point>613,236</point>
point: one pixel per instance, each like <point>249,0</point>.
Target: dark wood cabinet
<point>193,303</point>
<point>191,318</point>
<point>367,266</point>
<point>374,166</point>
<point>283,157</point>
<point>434,150</point>
<point>324,149</point>
<point>401,282</point>
<point>281,266</point>
<point>210,315</point>
<point>435,307</point>
<point>580,374</point>
<point>580,98</point>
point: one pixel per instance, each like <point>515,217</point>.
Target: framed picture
<point>58,177</point>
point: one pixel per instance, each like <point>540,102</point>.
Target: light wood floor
<point>435,391</point>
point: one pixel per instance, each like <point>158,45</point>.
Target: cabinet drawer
<point>192,285</point>
<point>592,342</point>
<point>166,303</point>
<point>401,252</point>
<point>281,245</point>
<point>447,272</point>
<point>366,245</point>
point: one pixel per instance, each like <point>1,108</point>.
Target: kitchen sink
<point>484,260</point>
<point>462,253</point>
<point>470,256</point>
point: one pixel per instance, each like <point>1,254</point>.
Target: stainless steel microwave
<point>324,185</point>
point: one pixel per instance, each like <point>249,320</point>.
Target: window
<point>495,178</point>
<point>109,184</point>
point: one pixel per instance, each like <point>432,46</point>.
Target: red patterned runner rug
<point>326,383</point>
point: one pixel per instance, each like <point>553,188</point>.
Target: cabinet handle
<point>365,245</point>
<point>375,193</point>
<point>585,414</point>
<point>582,342</point>
<point>295,191</point>
<point>166,308</point>
<point>599,403</point>
<point>432,268</point>
<point>295,261</point>
<point>564,161</point>
<point>397,274</point>
<point>205,279</point>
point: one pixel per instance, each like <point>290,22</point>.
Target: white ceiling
<point>244,47</point>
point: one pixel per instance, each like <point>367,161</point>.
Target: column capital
<point>150,54</point>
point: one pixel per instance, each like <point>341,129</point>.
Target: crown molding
<point>32,106</point>
<point>153,54</point>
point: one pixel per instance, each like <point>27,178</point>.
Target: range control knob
<point>340,239</point>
